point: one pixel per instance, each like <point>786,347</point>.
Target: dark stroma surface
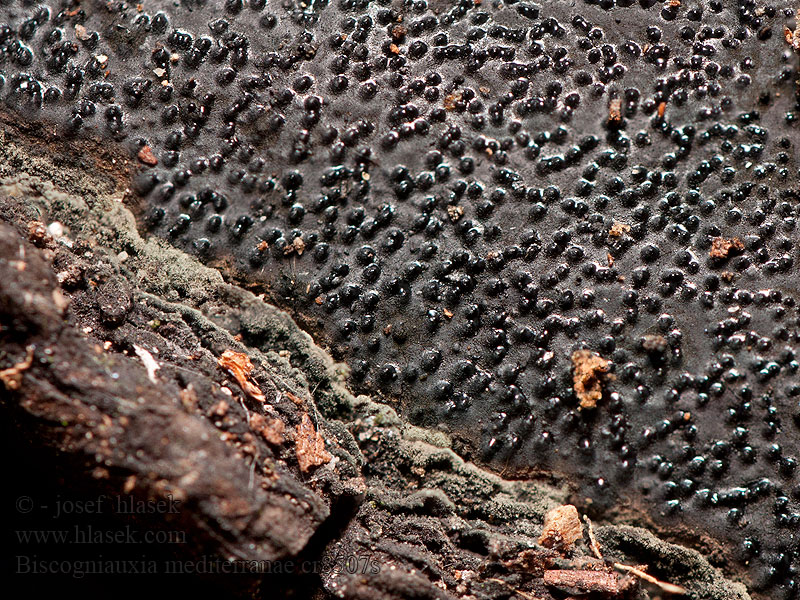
<point>457,196</point>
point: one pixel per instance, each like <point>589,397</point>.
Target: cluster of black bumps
<point>458,195</point>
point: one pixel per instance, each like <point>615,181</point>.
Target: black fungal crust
<point>461,175</point>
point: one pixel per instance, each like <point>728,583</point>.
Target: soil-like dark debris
<point>459,198</point>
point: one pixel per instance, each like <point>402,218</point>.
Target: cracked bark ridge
<point>240,496</point>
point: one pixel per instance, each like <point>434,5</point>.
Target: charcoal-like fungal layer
<point>457,196</point>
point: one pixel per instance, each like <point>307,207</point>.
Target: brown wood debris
<point>38,235</point>
<point>147,157</point>
<point>270,429</point>
<point>534,561</point>
<point>593,545</point>
<point>398,32</point>
<point>12,377</point>
<point>615,111</point>
<point>294,398</point>
<point>590,370</point>
<point>721,247</point>
<point>793,37</point>
<point>297,245</point>
<point>583,581</point>
<point>239,365</point>
<point>618,229</point>
<point>80,31</point>
<point>455,212</point>
<point>309,446</point>
<point>578,576</point>
<point>562,528</point>
<point>450,100</point>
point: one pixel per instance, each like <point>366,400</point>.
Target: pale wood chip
<point>309,446</point>
<point>562,528</point>
<point>670,588</point>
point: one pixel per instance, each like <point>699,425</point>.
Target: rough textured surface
<point>430,524</point>
<point>456,197</point>
<point>160,431</point>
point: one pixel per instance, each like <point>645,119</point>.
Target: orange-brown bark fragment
<point>270,429</point>
<point>721,247</point>
<point>239,365</point>
<point>589,372</point>
<point>147,157</point>
<point>309,446</point>
<point>619,229</point>
<point>450,100</point>
<point>38,235</point>
<point>295,398</point>
<point>615,111</point>
<point>562,528</point>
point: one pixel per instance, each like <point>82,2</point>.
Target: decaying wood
<point>99,407</point>
<point>599,578</point>
<point>722,247</point>
<point>593,545</point>
<point>583,581</point>
<point>615,111</point>
<point>589,371</point>
<point>310,446</point>
<point>239,365</point>
<point>562,528</point>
